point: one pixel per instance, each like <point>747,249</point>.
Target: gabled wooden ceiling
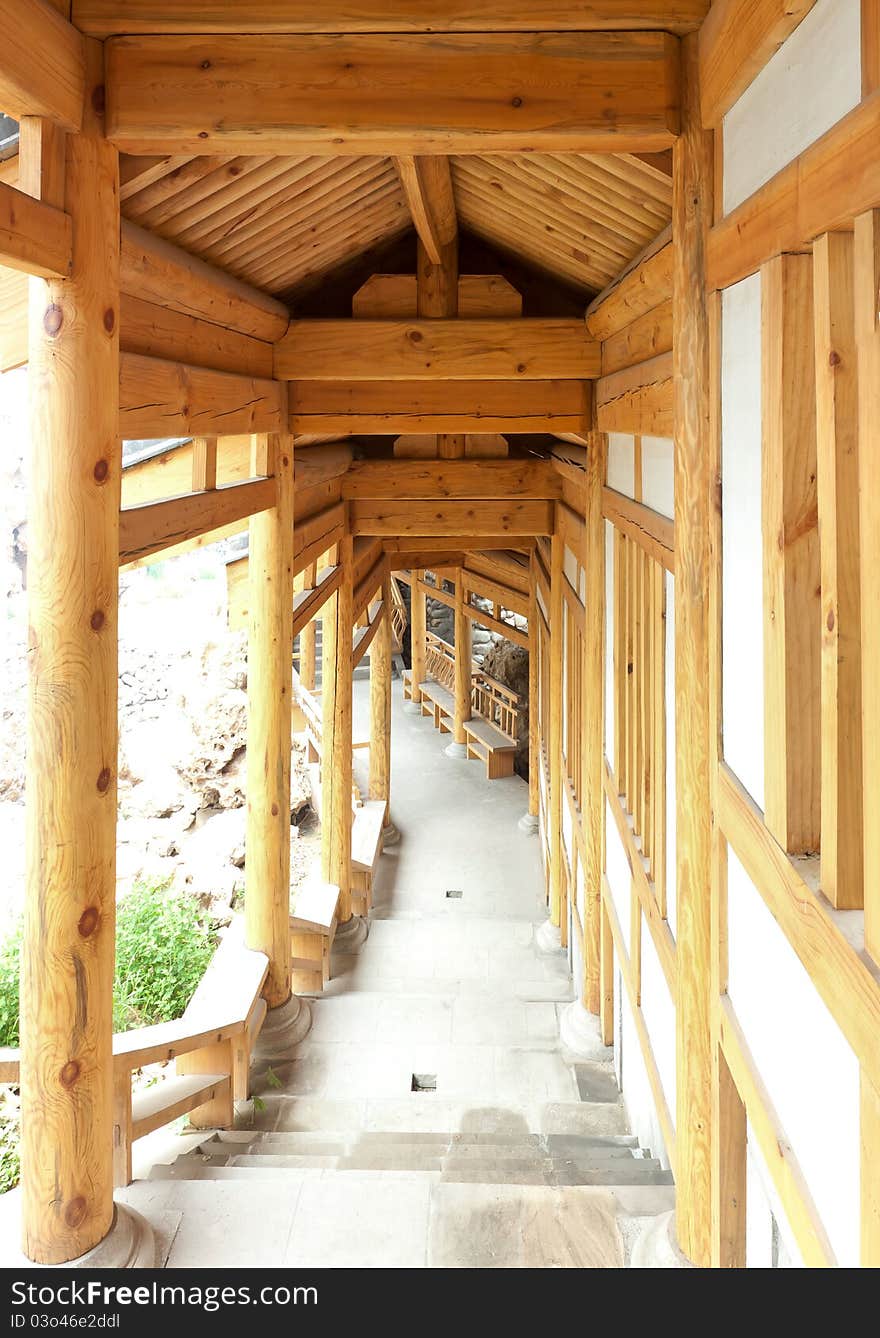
<point>281,222</point>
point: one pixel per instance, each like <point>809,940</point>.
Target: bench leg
<point>499,765</point>
<point>121,1128</point>
<point>309,971</point>
<point>361,892</point>
<point>218,1113</point>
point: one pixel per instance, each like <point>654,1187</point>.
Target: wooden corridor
<point>513,298</point>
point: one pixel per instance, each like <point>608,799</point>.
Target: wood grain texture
<point>42,68</point>
<point>426,479</point>
<point>554,708</point>
<point>336,775</point>
<point>155,526</point>
<point>158,398</point>
<point>737,40</point>
<point>455,517</point>
<point>593,716</point>
<point>643,287</point>
<point>70,894</point>
<point>638,399</point>
<point>427,186</point>
<point>395,297</point>
<point>157,331</point>
<point>380,705</point>
<point>34,237</point>
<point>408,94</point>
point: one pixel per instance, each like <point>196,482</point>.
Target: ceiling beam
<point>42,64</point>
<point>437,517</point>
<point>736,42</point>
<point>448,350</point>
<point>398,94</point>
<point>427,185</point>
<point>426,479</point>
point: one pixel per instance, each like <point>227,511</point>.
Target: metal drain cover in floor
<point>424,1082</point>
<point>454,894</point>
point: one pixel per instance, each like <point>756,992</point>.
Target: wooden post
<point>270,686</point>
<point>338,621</point>
<point>437,295</point>
<point>534,721</point>
<point>73,543</point>
<point>417,634</point>
<point>792,609</point>
<point>463,662</point>
<point>308,640</point>
<point>380,704</point>
<point>554,731</point>
<point>593,714</point>
<point>691,219</point>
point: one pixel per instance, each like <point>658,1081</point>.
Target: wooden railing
<point>496,703</point>
<point>440,660</point>
<point>398,615</point>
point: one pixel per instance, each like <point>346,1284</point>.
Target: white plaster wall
<point>541,605</point>
<point>657,474</point>
<point>763,1211</point>
<point>633,1078</point>
<point>659,1014</point>
<point>621,457</point>
<point>742,553</point>
<point>571,569</point>
<point>609,644</point>
<point>813,80</point>
<point>670,752</point>
<point>809,1070</point>
<point>618,873</point>
<point>567,835</point>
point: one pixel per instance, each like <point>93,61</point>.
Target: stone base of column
<point>351,935</point>
<point>548,938</point>
<point>283,1029</point>
<point>579,1033</point>
<point>130,1243</point>
<point>456,750</point>
<point>390,836</point>
<point>528,823</point>
<point>656,1246</point>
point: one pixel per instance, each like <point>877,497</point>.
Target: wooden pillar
<point>554,730</point>
<point>691,219</point>
<point>792,609</point>
<point>336,775</point>
<point>534,708</point>
<point>73,556</point>
<point>593,741</point>
<point>463,663</point>
<point>437,295</point>
<point>380,705</point>
<point>417,634</point>
<point>270,686</point>
<point>308,639</point>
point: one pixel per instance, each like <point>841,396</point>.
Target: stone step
<point>237,1142</point>
<point>632,1172</point>
<point>423,1158</point>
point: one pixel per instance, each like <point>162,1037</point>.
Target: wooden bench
<point>312,930</point>
<point>366,846</point>
<point>439,702</point>
<point>491,746</point>
<point>406,677</point>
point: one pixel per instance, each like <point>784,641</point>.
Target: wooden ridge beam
<point>427,186</point>
<point>398,93</point>
<point>437,349</point>
<point>104,18</point>
<point>154,526</point>
<point>736,42</point>
<point>637,399</point>
<point>158,398</point>
<point>401,407</point>
<point>35,238</point>
<point>42,64</point>
<point>430,479</point>
<point>823,190</point>
<point>451,518</point>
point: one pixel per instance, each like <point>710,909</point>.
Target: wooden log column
<point>554,729</point>
<point>417,633</point>
<point>73,543</point>
<point>463,662</point>
<point>336,777</point>
<point>270,687</point>
<point>380,705</point>
<point>593,741</point>
<point>691,219</point>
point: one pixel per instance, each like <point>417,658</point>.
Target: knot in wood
<point>104,780</point>
<point>70,1073</point>
<point>88,922</point>
<point>53,319</point>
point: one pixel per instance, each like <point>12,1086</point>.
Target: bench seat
<point>312,930</point>
<point>368,821</point>
<point>491,745</point>
<point>439,702</point>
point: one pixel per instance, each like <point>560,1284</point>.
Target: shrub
<point>10,967</point>
<point>9,1163</point>
<point>162,950</point>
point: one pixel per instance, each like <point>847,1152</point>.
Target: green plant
<point>162,950</point>
<point>9,1162</point>
<point>10,967</point>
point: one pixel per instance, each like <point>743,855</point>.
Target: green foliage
<point>272,1079</point>
<point>162,950</point>
<point>10,966</point>
<point>9,1163</point>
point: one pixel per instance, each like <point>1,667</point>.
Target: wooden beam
<point>452,518</point>
<point>432,479</point>
<point>13,319</point>
<point>314,536</point>
<point>495,93</point>
<point>553,715</point>
<point>136,173</point>
<point>592,558</point>
<point>42,64</point>
<point>693,197</point>
<point>432,406</point>
<point>638,399</point>
<point>336,776</point>
<point>158,331</point>
<point>823,190</point>
<point>427,186</point>
<point>154,526</point>
<point>270,639</point>
<point>644,338</point>
<point>380,705</point>
<point>736,42</point>
<point>837,492</point>
<point>790,525</point>
<point>650,530</point>
<point>395,297</point>
<point>158,398</point>
<point>498,625</point>
<point>644,284</point>
<point>103,18</point>
<point>34,237</point>
<point>323,463</point>
<point>158,271</point>
<point>345,351</point>
<point>505,595</point>
<point>463,670</point>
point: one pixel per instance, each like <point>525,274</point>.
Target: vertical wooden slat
<point>204,463</point>
<point>870,47</point>
<point>380,704</point>
<point>729,1173</point>
<point>70,816</point>
<point>632,772</point>
<point>554,734</point>
<point>418,630</point>
<point>620,670</point>
<point>606,1009</point>
<point>336,775</point>
<point>659,689</point>
<point>463,663</point>
<point>534,721</point>
<point>693,196</point>
<point>869,1128</point>
<point>792,765</point>
<point>837,484</point>
<point>308,637</point>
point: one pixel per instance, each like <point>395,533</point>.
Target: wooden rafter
<point>427,185</point>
